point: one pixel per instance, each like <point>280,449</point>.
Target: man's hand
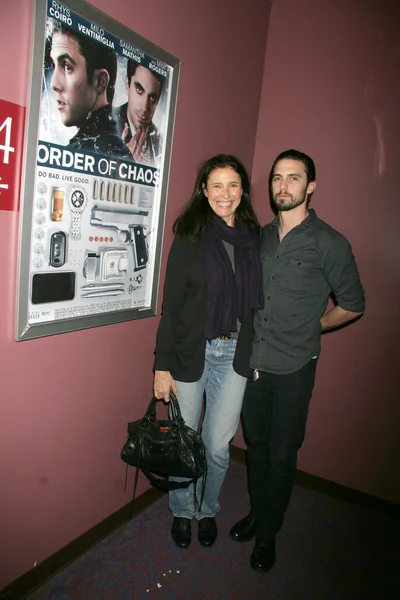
<point>163,383</point>
<point>137,142</point>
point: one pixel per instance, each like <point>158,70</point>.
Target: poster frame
<point>25,328</point>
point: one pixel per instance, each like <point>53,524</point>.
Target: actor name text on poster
<point>60,12</point>
<point>131,52</point>
<point>96,33</point>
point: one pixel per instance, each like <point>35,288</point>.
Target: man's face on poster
<point>74,95</point>
<point>143,96</point>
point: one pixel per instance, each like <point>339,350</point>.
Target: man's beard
<point>289,203</point>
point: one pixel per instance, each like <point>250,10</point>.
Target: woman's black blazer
<point>180,345</point>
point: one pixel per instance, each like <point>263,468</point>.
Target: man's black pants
<point>275,409</point>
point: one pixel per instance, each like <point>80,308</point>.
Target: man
<point>84,82</point>
<point>304,261</point>
<point>134,119</point>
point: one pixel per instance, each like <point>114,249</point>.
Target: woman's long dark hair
<point>197,214</point>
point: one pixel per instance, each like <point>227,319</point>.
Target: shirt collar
<point>308,221</point>
<point>131,125</point>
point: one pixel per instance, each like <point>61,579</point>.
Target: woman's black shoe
<point>244,530</point>
<point>181,531</point>
<point>263,556</point>
<point>208,531</point>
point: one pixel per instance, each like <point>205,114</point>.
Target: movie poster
<point>95,188</point>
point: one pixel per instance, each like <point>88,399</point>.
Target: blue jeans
<point>224,390</point>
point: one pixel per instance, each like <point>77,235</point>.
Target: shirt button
<point>265,318</point>
<point>263,339</point>
<point>273,277</point>
<point>269,297</point>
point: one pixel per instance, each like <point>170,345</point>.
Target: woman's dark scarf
<point>231,295</point>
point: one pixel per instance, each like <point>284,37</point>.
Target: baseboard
<point>35,578</point>
<point>313,482</point>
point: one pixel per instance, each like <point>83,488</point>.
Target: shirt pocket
<point>301,276</point>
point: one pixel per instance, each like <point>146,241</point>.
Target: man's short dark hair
<point>292,154</point>
<point>97,56</point>
<point>131,70</point>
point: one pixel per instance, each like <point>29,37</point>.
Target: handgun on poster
<point>130,226</point>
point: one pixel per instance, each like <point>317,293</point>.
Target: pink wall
<point>65,400</point>
<point>331,88</point>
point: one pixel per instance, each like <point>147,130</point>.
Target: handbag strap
<point>173,407</point>
<point>130,514</point>
<point>203,487</point>
<point>176,411</point>
<point>166,484</point>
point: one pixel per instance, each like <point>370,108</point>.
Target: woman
<point>212,288</point>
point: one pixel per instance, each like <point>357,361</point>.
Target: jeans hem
<point>200,517</point>
<point>194,516</point>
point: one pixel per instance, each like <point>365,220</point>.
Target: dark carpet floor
<point>327,550</point>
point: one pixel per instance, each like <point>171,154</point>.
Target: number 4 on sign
<point>6,148</point>
<point>12,118</point>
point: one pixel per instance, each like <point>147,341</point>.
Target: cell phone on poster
<point>53,287</point>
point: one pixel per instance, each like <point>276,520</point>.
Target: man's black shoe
<point>244,530</point>
<point>263,556</point>
<point>181,531</point>
<point>208,531</point>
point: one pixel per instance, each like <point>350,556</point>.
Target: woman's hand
<point>163,383</point>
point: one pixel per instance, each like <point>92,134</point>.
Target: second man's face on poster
<point>74,95</point>
<point>143,96</point>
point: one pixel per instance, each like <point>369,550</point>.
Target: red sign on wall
<point>12,121</point>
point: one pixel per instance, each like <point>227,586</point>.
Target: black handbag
<point>167,448</point>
